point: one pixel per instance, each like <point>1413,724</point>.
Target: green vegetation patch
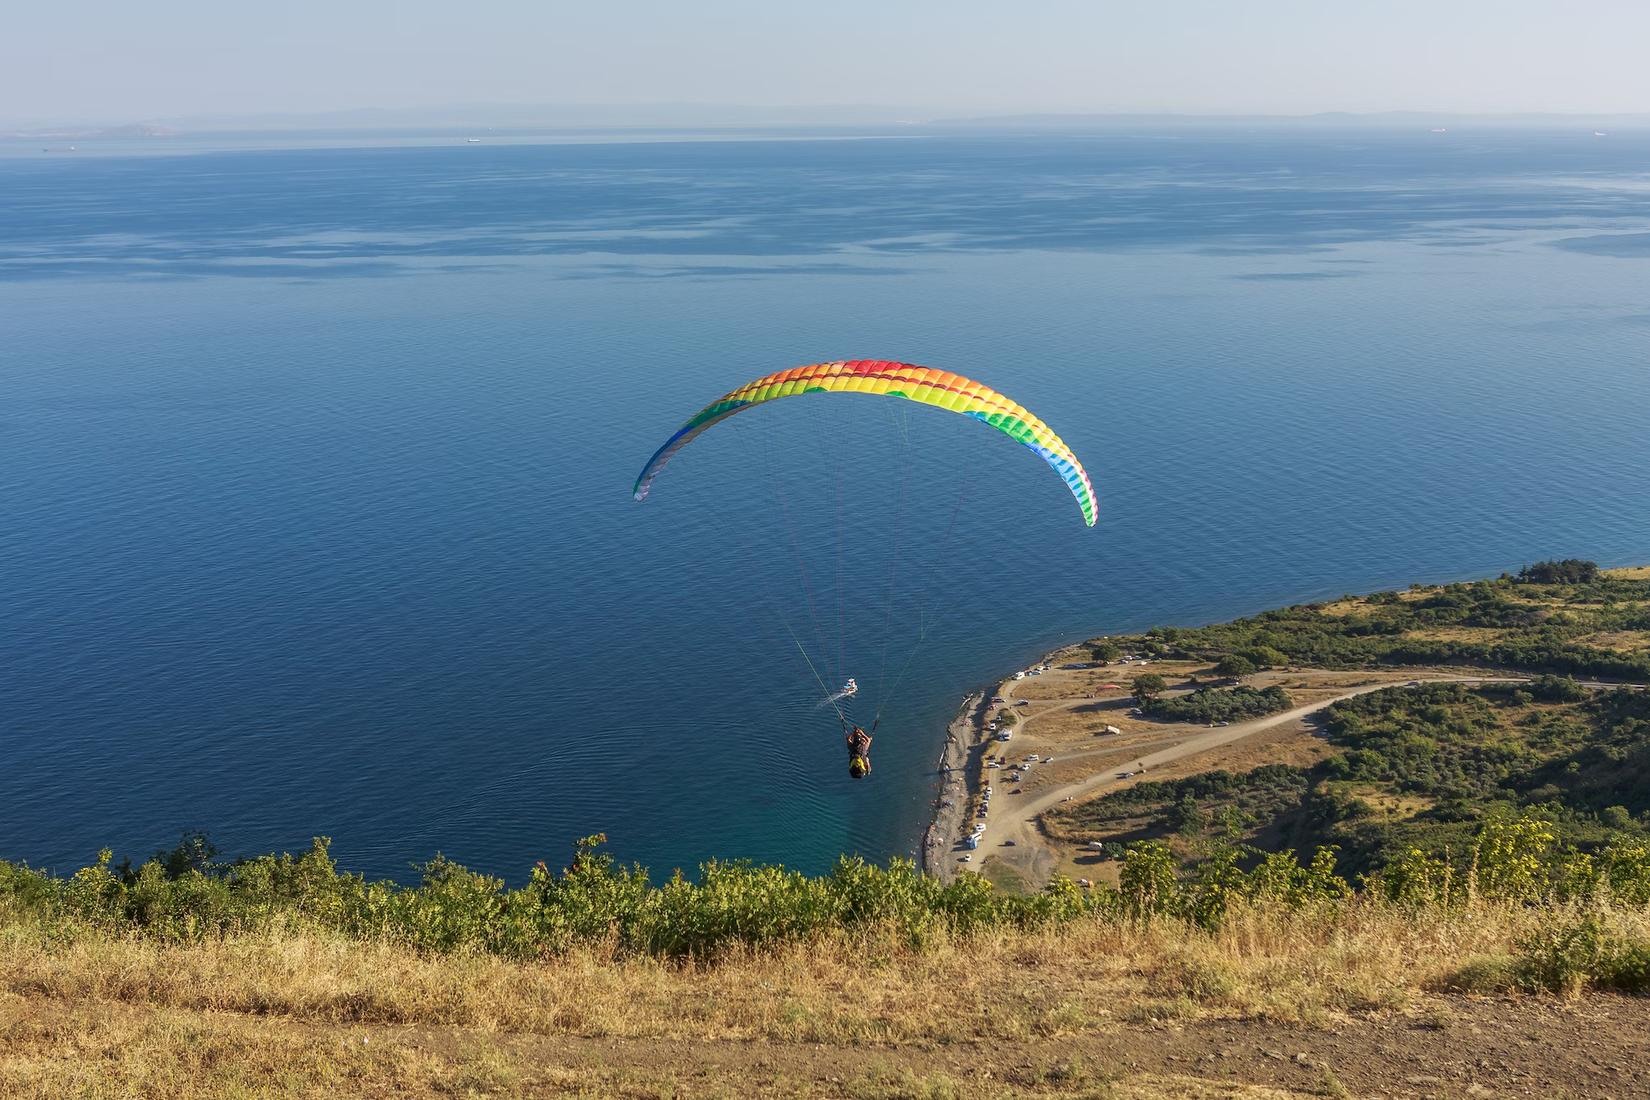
<point>1218,704</point>
<point>1421,769</point>
<point>1537,622</point>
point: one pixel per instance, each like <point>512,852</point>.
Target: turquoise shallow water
<point>315,464</point>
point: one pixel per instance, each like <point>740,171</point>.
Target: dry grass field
<point>1371,1001</point>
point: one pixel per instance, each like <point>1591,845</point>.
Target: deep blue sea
<point>315,464</point>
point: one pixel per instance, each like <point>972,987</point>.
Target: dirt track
<point>1457,1047</point>
<point>1596,1048</point>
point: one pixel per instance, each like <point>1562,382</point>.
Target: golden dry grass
<point>170,1054</point>
<point>308,1015</point>
<point>993,985</point>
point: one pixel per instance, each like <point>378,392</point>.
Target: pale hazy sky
<point>116,60</point>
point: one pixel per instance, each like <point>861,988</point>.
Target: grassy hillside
<point>1418,768</point>
<point>1585,623</point>
<point>1422,767</point>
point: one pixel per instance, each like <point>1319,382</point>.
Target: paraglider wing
<point>879,376</point>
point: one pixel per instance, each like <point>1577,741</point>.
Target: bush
<point>1235,665</point>
<point>1219,704</point>
<point>596,902</point>
<point>1589,948</point>
<point>1568,571</point>
<point>1264,656</point>
<point>1556,689</point>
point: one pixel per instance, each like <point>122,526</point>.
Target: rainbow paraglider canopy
<point>880,376</point>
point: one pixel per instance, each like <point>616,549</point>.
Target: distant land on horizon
<point>667,116</point>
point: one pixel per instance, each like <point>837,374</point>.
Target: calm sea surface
<point>315,464</point>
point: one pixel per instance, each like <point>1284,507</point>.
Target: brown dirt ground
<point>1457,1047</point>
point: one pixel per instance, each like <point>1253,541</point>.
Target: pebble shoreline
<point>945,830</point>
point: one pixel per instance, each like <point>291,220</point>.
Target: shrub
<point>1568,571</point>
<point>598,903</point>
<point>1219,704</point>
<point>1556,689</point>
<point>1571,951</point>
<point>1235,665</point>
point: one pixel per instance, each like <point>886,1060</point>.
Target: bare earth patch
<point>1456,1047</point>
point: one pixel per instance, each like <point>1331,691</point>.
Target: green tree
<point>1265,656</point>
<point>1568,571</point>
<point>1106,652</point>
<point>1235,665</point>
<point>1616,817</point>
<point>1188,817</point>
<point>1148,686</point>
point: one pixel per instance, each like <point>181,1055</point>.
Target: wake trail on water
<point>849,690</point>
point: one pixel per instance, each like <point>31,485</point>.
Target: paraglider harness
<point>859,749</point>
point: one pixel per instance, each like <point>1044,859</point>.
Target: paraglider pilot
<point>859,753</point>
